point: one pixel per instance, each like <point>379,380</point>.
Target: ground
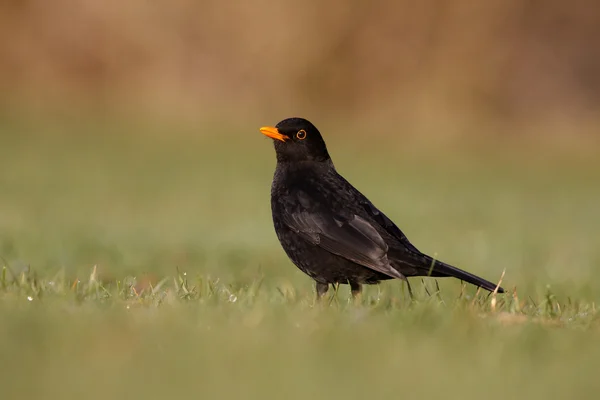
<point>139,261</point>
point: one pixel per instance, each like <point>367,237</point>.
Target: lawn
<point>139,261</point>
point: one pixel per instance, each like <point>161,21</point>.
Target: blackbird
<point>330,230</point>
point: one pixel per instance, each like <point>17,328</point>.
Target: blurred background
<point>129,146</point>
<point>501,61</point>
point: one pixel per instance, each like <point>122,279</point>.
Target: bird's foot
<point>321,289</point>
<point>356,289</point>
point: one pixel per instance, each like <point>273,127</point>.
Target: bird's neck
<point>289,174</point>
<point>302,166</point>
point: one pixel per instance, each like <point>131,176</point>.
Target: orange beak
<point>273,133</point>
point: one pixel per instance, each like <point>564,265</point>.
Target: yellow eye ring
<point>301,134</point>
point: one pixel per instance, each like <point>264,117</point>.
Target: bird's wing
<point>379,218</point>
<point>388,225</point>
<point>352,238</point>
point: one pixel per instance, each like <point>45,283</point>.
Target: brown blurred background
<point>527,63</point>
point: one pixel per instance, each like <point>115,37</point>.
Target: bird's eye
<point>301,134</point>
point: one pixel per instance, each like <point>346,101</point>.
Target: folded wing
<point>353,238</point>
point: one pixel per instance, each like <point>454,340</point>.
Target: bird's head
<point>296,139</point>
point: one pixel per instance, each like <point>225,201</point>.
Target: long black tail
<point>441,269</point>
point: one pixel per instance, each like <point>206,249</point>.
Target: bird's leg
<point>356,289</point>
<point>410,293</point>
<point>322,288</point>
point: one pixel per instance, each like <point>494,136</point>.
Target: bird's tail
<point>440,269</point>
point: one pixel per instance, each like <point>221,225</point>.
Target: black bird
<point>329,229</point>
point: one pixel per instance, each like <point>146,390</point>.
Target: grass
<point>139,261</point>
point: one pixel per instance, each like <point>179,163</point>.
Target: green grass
<point>139,261</point>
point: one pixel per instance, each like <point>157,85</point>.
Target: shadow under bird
<point>330,230</point>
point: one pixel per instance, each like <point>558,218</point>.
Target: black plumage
<point>329,229</point>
